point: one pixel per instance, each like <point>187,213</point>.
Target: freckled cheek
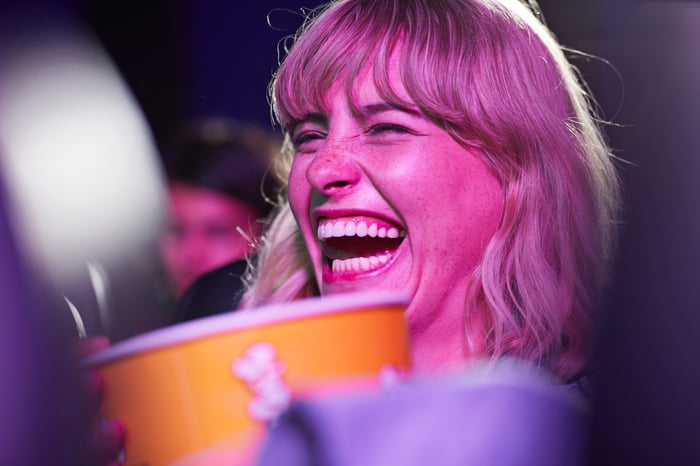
<point>461,217</point>
<point>487,212</point>
<point>299,191</point>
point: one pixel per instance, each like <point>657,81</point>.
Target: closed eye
<point>306,141</point>
<point>384,128</point>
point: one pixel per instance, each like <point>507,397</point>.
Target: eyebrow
<point>373,109</point>
<point>312,117</point>
<point>363,112</point>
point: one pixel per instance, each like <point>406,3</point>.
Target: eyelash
<point>377,129</point>
<point>306,137</point>
<point>384,127</point>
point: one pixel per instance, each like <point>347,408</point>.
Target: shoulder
<point>213,293</point>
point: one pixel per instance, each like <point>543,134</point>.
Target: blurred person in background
<point>218,197</point>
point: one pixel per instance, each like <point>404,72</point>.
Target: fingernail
<point>97,343</point>
<point>88,346</point>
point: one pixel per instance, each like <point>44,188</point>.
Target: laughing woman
<point>445,149</point>
<point>448,150</point>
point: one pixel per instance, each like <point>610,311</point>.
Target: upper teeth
<point>361,228</point>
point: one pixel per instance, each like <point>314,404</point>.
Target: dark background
<point>187,59</point>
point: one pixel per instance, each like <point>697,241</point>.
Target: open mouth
<point>357,245</point>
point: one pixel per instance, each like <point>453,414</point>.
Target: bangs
<point>468,66</point>
<point>340,42</point>
<point>338,51</point>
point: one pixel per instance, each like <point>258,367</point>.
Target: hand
<point>106,437</point>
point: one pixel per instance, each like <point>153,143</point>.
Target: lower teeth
<point>359,264</point>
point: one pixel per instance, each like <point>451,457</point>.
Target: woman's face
<point>203,233</point>
<point>387,200</point>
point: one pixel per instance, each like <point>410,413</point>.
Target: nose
<point>333,171</point>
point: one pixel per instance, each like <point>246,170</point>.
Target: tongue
<point>352,246</point>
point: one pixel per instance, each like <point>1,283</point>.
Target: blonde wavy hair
<point>491,74</point>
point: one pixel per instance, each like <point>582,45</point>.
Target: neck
<point>441,346</point>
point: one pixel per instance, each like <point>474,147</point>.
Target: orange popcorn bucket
<point>214,383</point>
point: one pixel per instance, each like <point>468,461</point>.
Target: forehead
<point>373,84</point>
<point>376,79</point>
